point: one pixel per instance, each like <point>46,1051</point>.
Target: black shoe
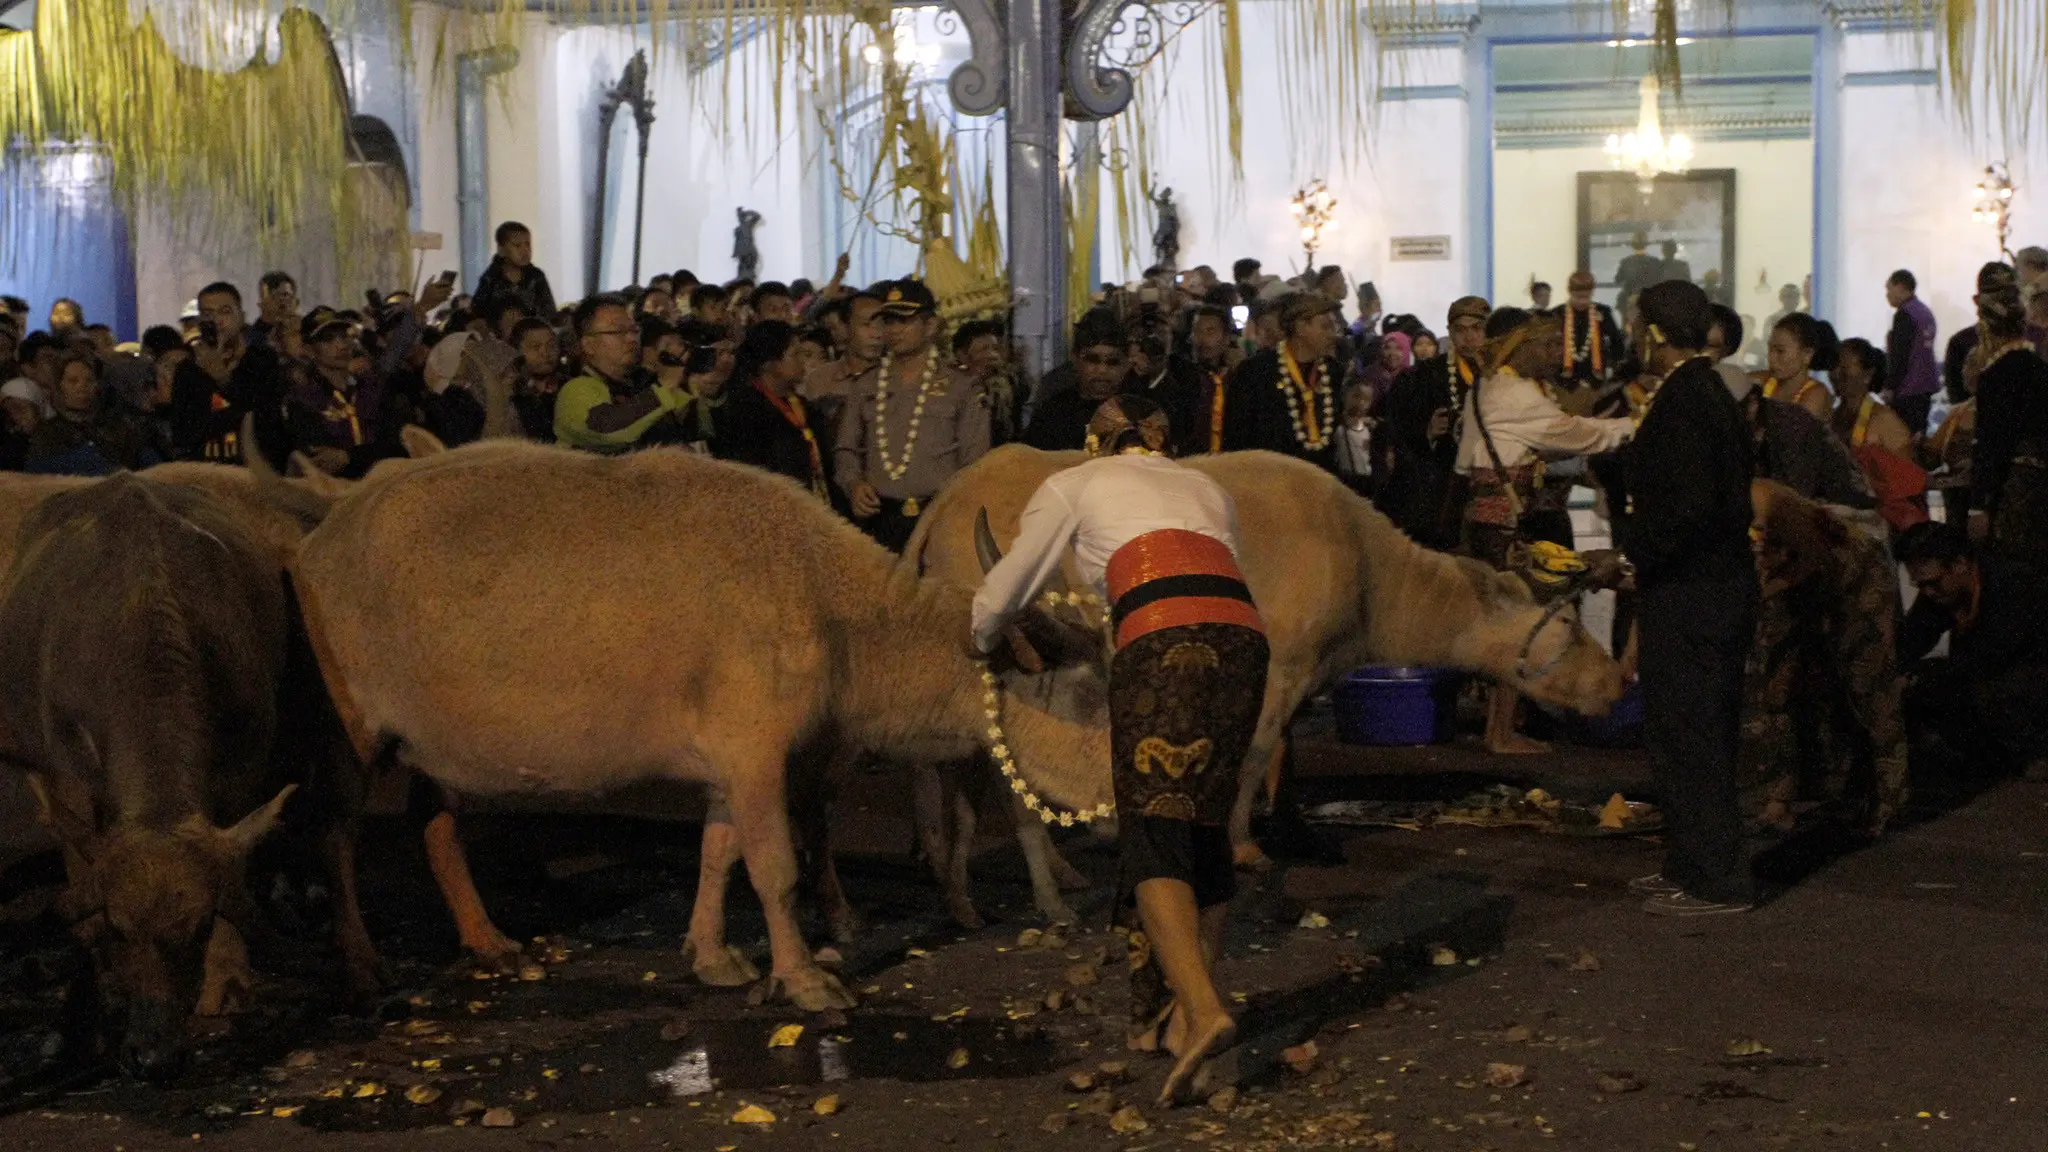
<point>1685,904</point>
<point>1653,885</point>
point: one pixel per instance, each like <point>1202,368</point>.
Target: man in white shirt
<point>1512,425</point>
<point>1159,542</point>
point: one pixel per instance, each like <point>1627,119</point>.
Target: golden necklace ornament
<point>1311,427</point>
<point>896,470</point>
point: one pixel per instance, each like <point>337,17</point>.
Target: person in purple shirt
<point>1909,349</point>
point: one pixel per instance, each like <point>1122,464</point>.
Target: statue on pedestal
<point>1166,235</point>
<point>743,248</point>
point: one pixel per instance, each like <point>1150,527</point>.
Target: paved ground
<point>1474,989</point>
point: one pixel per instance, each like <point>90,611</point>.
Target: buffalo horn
<point>985,543</point>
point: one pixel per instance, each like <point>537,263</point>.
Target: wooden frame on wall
<point>1696,208</point>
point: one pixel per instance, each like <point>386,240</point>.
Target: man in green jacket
<point>612,405</point>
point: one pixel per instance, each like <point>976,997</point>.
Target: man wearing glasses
<point>1101,369</point>
<point>610,407</point>
<point>909,424</point>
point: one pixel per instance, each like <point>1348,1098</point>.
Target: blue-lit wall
<point>62,235</point>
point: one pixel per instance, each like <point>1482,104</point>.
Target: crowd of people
<point>1470,437</point>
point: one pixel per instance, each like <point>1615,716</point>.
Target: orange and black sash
<point>1173,577</point>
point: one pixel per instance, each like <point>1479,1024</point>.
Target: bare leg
<point>713,960</point>
<point>1176,929</point>
<point>761,817</point>
<point>1501,737</point>
<point>451,872</point>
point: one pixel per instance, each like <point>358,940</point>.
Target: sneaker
<point>1686,904</point>
<point>1653,885</point>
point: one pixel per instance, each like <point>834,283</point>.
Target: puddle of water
<point>725,1054</point>
<point>632,1068</point>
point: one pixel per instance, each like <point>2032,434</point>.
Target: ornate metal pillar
<point>1040,71</point>
<point>631,89</point>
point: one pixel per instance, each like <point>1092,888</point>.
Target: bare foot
<point>1203,1039</point>
<point>1516,744</point>
<point>494,951</point>
<point>1778,814</point>
<point>1249,857</point>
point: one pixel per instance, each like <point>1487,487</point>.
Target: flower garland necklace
<point>924,385</point>
<point>1574,353</point>
<point>1313,432</point>
<point>999,747</point>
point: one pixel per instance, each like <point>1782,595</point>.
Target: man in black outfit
<point>1681,504</point>
<point>1070,394</point>
<point>1420,424</point>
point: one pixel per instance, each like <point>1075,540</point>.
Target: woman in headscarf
<point>1159,542</point>
<point>1511,425</point>
<point>2009,464</point>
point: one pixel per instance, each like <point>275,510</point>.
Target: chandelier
<point>1647,151</point>
<point>1315,212</point>
<point>1994,204</point>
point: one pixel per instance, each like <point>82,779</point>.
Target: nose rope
<point>1565,599</point>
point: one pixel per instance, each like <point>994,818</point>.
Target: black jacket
<point>532,289</point>
<point>1680,499</point>
<point>1256,415</point>
<point>1059,421</point>
<point>751,431</point>
<point>1416,490</point>
<point>2012,420</point>
<point>206,415</point>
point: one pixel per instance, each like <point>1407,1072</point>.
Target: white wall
<point>1535,217</point>
<point>1410,180</point>
<point>1908,169</point>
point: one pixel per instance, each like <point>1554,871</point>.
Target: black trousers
<point>1694,637</point>
<point>890,527</point>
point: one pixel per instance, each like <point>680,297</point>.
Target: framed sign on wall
<point>1680,226</point>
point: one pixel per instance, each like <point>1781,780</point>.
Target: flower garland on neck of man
<point>896,470</point>
<point>1311,403</point>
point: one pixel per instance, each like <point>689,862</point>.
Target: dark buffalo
<point>145,641</point>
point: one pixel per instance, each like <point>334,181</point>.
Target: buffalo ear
<point>71,827</point>
<point>250,830</point>
<point>420,442</point>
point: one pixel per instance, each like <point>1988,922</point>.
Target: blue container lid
<point>1395,673</point>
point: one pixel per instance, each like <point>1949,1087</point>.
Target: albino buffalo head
<point>143,902</point>
<point>1063,633</point>
<point>1542,650</point>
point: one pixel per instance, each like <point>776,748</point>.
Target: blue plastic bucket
<point>1622,727</point>
<point>1395,707</point>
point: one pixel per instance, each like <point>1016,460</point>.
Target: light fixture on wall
<point>1994,204</point>
<point>1647,151</point>
<point>903,49</point>
<point>1315,210</point>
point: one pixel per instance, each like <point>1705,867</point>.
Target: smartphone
<point>1240,314</point>
<point>209,332</point>
<point>447,277</point>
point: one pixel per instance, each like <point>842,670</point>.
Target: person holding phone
<point>226,379</point>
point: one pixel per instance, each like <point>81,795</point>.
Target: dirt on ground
<point>1458,988</point>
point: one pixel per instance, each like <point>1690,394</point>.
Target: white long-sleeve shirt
<point>1526,424</point>
<point>1097,507</point>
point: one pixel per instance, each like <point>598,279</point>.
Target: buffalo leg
<point>761,815</point>
<point>1284,692</point>
<point>810,808</point>
<point>932,790</point>
<point>1050,871</point>
<point>713,960</point>
<point>959,887</point>
<point>451,872</point>
<point>360,963</point>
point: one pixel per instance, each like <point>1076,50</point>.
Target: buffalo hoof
<point>812,989</point>
<point>1056,911</point>
<point>496,952</point>
<point>845,925</point>
<point>727,967</point>
<point>1068,877</point>
<point>963,912</point>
